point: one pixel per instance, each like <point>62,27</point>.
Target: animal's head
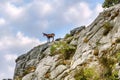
<point>43,34</point>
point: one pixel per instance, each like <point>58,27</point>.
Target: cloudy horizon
<point>23,21</point>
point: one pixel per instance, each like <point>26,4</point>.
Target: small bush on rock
<point>108,62</point>
<point>117,40</point>
<point>107,27</point>
<point>63,48</point>
<point>86,74</point>
<point>67,36</point>
<point>118,57</point>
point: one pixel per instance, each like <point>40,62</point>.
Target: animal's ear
<point>42,33</point>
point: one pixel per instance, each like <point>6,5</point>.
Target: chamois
<point>49,36</point>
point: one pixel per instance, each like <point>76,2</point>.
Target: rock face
<point>87,53</point>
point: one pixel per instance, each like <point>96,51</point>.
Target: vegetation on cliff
<point>109,3</point>
<point>87,53</point>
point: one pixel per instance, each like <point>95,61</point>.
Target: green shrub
<point>118,57</point>
<point>115,75</point>
<point>108,63</point>
<point>67,35</point>
<point>90,74</point>
<point>111,76</point>
<point>18,78</point>
<point>117,40</point>
<point>107,27</point>
<point>109,3</point>
<point>68,40</point>
<point>86,74</point>
<point>63,48</point>
<point>80,74</point>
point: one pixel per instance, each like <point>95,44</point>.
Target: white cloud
<point>16,1</point>
<point>12,11</point>
<point>95,12</point>
<point>78,13</point>
<point>82,14</point>
<point>11,69</point>
<point>85,9</point>
<point>99,8</point>
<point>10,57</point>
<point>2,21</point>
<point>2,76</point>
<point>24,40</point>
<point>13,1</point>
<point>11,47</point>
<point>47,8</point>
<point>8,73</point>
<point>40,7</point>
<point>18,41</point>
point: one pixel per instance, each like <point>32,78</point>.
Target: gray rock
<point>57,71</point>
<point>28,77</point>
<point>76,30</point>
<point>89,40</point>
<point>44,66</point>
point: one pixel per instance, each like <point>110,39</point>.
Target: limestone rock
<point>97,50</point>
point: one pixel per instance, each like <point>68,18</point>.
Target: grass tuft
<point>63,48</point>
<point>107,27</point>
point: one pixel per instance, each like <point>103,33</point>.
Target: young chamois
<point>49,36</point>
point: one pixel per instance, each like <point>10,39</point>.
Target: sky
<point>22,23</point>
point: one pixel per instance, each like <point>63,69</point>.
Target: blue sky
<point>23,21</point>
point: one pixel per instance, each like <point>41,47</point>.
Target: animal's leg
<point>48,40</point>
<point>53,39</point>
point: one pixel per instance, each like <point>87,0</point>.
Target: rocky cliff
<point>87,53</point>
